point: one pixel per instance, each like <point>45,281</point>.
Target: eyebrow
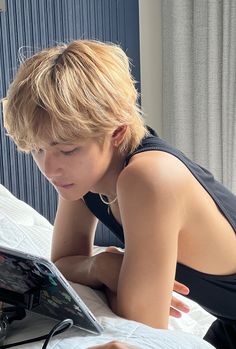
<point>56,143</point>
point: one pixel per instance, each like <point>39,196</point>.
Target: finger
<point>179,305</point>
<point>103,346</point>
<point>181,288</point>
<point>113,249</point>
<point>175,313</point>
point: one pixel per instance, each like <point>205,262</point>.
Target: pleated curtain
<point>199,82</point>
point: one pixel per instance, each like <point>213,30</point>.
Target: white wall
<point>151,61</point>
<point>2,5</point>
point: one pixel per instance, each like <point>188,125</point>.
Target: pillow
<point>22,227</point>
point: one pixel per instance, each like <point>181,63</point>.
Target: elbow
<point>54,260</point>
<point>145,314</point>
<point>63,267</point>
<point>55,257</point>
<point>57,263</point>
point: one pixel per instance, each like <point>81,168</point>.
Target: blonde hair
<point>83,89</point>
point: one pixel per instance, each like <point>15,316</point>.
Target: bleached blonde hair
<point>80,90</point>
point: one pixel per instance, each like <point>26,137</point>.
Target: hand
<point>112,261</point>
<point>107,267</point>
<point>177,306</point>
<point>114,345</point>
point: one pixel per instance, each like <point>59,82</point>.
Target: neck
<point>107,185</point>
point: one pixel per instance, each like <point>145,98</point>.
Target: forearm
<point>79,269</point>
<point>111,299</point>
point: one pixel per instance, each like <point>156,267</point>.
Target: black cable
<point>61,326</point>
<point>57,329</point>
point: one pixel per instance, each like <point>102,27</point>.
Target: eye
<point>70,152</point>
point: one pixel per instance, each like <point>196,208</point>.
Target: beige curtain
<point>199,82</point>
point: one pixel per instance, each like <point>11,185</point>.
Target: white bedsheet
<point>23,228</point>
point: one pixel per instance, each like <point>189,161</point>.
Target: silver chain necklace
<point>107,202</point>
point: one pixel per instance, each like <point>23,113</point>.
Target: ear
<point>118,135</point>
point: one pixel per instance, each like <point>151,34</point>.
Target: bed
<point>22,228</point>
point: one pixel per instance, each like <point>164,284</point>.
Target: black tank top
<point>215,293</point>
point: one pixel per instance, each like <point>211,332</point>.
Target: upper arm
<point>74,229</point>
<point>151,215</point>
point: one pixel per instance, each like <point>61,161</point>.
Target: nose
<point>50,165</point>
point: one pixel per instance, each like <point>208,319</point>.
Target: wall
<point>151,61</point>
<point>28,26</point>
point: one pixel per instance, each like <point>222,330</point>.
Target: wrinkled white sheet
<point>23,228</point>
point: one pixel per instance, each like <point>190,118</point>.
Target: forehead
<point>62,143</point>
<point>44,137</point>
<point>48,142</point>
<point>45,134</point>
<point>52,131</point>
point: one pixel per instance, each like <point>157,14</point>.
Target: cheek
<point>98,168</point>
<point>91,169</point>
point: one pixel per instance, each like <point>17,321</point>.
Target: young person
<point>74,107</point>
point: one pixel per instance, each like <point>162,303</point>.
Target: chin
<point>70,196</point>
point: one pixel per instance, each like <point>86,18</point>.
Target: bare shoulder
<point>153,194</point>
<point>157,171</point>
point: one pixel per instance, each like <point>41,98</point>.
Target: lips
<point>62,185</point>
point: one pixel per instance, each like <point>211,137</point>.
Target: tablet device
<point>36,284</point>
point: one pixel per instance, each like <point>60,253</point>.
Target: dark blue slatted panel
<point>41,23</point>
